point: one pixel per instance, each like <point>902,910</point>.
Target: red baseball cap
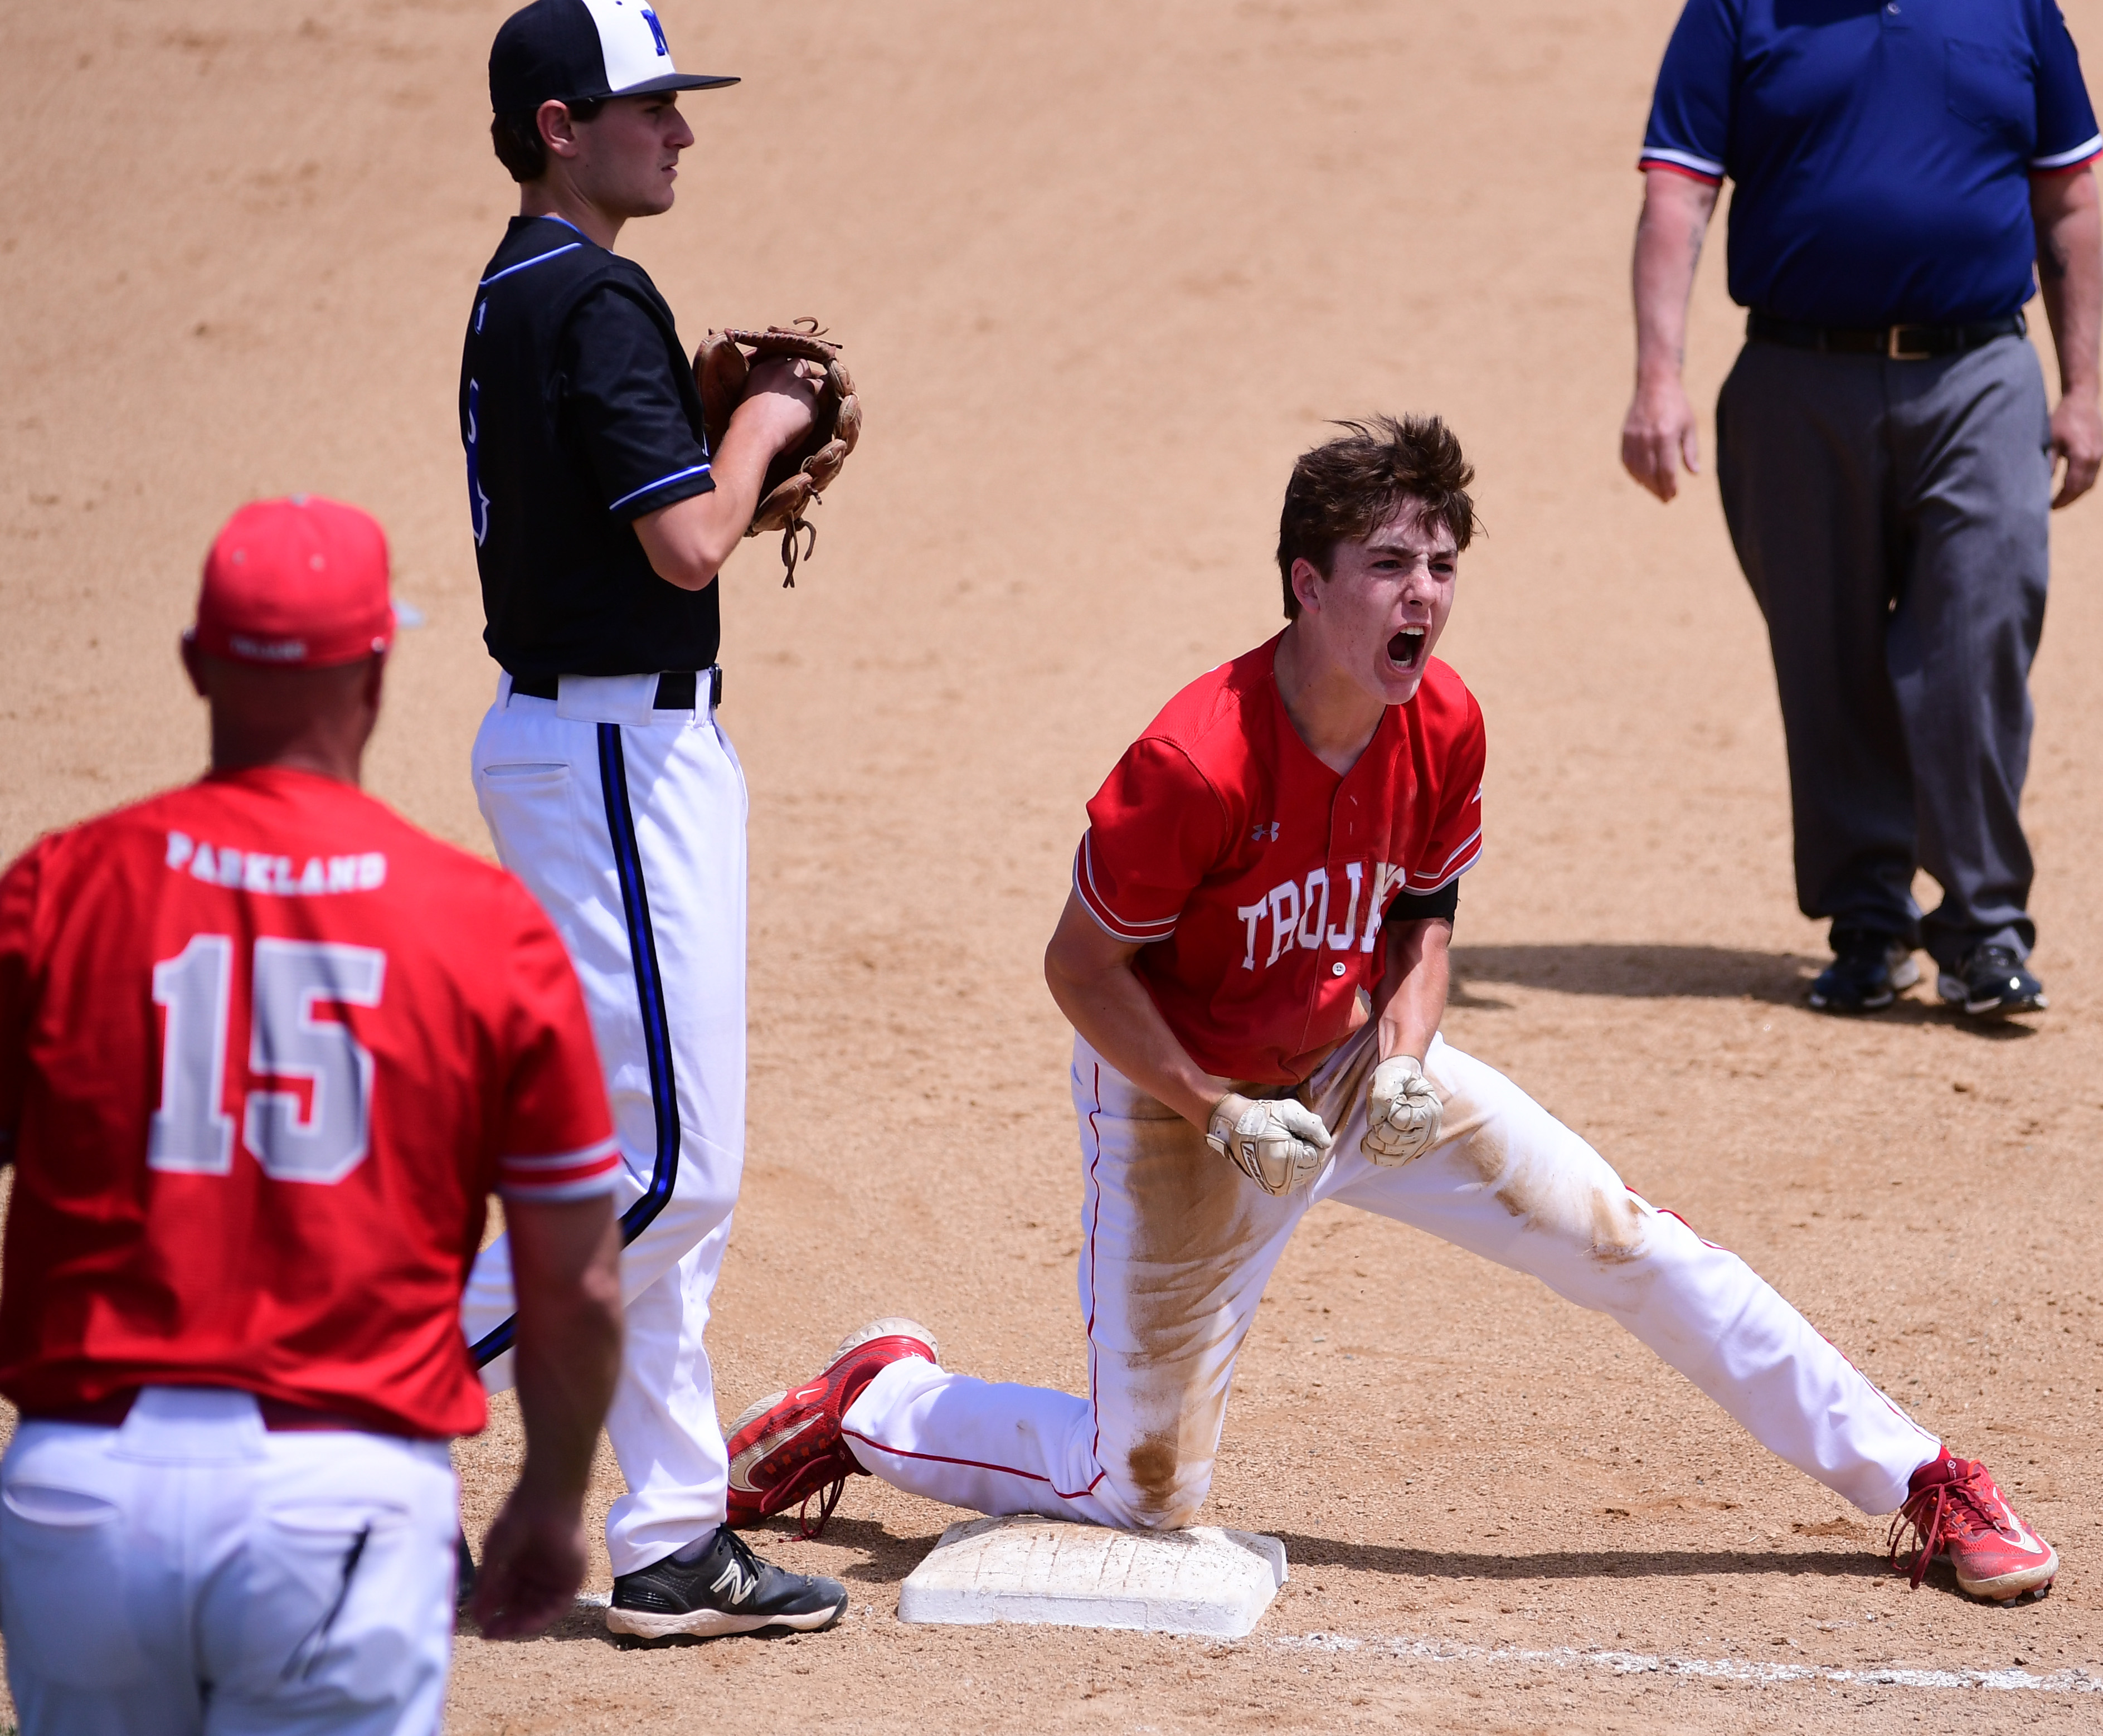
<point>296,584</point>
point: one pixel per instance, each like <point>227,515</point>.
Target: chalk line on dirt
<point>2012,1680</point>
<point>2077,1681</point>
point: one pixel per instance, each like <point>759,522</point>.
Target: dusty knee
<point>1598,1218</point>
<point>1159,1484</point>
<point>1559,1186</point>
<point>1537,1168</point>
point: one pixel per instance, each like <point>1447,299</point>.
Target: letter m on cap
<point>657,30</point>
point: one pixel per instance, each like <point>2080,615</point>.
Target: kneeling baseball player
<point>1254,961</point>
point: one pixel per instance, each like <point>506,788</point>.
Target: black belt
<point>676,688</point>
<point>1894,343</point>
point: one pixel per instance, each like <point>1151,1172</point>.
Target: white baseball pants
<point>190,1573</point>
<point>1177,1247</point>
<point>627,823</point>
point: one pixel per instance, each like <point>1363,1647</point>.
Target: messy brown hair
<point>519,145</point>
<point>1347,488</point>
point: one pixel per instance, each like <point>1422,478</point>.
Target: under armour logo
<point>735,1581</point>
<point>1264,834</point>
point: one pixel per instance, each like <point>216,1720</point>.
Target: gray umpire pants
<point>1891,517</point>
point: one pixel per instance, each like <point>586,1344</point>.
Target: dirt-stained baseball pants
<point>191,1574</point>
<point>1177,1247</point>
<point>627,823</point>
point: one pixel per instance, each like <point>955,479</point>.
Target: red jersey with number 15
<point>265,1050</point>
<point>1254,879</point>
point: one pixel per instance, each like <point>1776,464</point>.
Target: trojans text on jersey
<point>1296,913</point>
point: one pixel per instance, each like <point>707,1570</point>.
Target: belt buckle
<point>1894,353</point>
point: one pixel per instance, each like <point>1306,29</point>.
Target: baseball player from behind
<point>1254,960</point>
<point>265,1050</point>
<point>601,515</point>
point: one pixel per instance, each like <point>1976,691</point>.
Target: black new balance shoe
<point>1867,972</point>
<point>718,1586</point>
<point>1990,982</point>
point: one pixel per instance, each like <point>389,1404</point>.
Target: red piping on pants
<point>1666,1211</point>
<point>975,1464</point>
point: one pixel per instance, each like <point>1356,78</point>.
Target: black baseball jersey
<point>580,414</point>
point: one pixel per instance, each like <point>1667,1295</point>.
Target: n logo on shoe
<point>736,1582</point>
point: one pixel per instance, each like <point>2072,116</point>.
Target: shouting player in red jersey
<point>1254,961</point>
<point>265,1049</point>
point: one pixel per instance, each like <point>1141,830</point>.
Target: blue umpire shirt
<point>1882,148</point>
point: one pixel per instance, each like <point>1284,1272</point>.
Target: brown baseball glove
<point>798,476</point>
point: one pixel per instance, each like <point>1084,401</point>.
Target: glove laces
<point>790,554</point>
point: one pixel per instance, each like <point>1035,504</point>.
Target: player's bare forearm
<point>1090,975</point>
<point>2070,254</point>
<point>566,1273</point>
<point>688,541</point>
<point>1413,987</point>
<point>1658,433</point>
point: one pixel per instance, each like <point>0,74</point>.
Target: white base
<point>1050,1572</point>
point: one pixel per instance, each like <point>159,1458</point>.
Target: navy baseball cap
<point>573,51</point>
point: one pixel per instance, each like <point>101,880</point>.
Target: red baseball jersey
<point>1254,879</point>
<point>265,1050</point>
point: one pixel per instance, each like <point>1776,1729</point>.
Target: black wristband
<point>1422,907</point>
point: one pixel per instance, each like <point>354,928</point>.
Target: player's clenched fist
<point>1279,1143</point>
<point>1402,1112</point>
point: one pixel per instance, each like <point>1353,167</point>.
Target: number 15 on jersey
<point>191,1132</point>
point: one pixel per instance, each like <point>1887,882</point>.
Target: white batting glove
<point>1278,1143</point>
<point>1402,1112</point>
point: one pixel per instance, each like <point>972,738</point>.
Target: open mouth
<point>1405,650</point>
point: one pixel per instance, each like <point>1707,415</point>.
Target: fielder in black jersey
<point>578,408</point>
<point>600,518</point>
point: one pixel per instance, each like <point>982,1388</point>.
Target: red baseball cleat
<point>1955,1510</point>
<point>787,1449</point>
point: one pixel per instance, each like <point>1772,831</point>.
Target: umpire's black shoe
<point>1991,982</point>
<point>1867,972</point>
<point>464,1585</point>
<point>718,1586</point>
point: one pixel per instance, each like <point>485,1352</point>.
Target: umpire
<point>600,519</point>
<point>1883,447</point>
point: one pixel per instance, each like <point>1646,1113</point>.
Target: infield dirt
<point>1101,271</point>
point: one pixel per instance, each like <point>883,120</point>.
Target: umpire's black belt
<point>676,688</point>
<point>1896,342</point>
